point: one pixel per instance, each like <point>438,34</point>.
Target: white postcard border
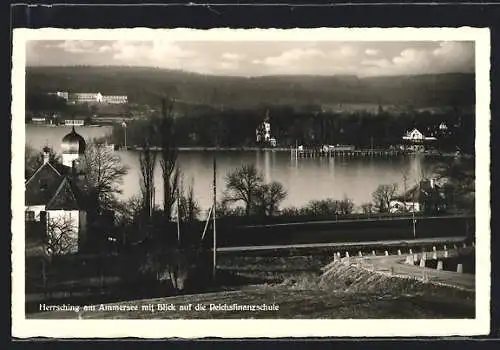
<point>23,328</point>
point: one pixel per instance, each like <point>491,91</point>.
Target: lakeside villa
<point>416,141</point>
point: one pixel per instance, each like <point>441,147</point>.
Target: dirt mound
<point>357,279</point>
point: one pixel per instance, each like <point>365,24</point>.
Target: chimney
<point>46,155</point>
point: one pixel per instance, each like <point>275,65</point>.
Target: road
<point>365,244</point>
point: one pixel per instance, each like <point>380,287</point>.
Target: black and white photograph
<point>251,182</point>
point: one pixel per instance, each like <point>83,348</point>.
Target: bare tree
<point>322,207</point>
<point>188,205</point>
<point>367,208</point>
<point>382,197</point>
<point>405,175</point>
<point>130,210</point>
<point>345,206</point>
<point>242,185</point>
<point>61,237</point>
<point>268,197</point>
<point>460,173</point>
<point>147,162</point>
<point>102,176</point>
<point>225,210</point>
<point>459,177</point>
<point>168,158</point>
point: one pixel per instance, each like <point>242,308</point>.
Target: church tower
<point>73,148</point>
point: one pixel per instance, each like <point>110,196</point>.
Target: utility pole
<point>414,221</point>
<point>124,125</point>
<point>214,216</point>
<point>413,214</point>
<point>178,220</point>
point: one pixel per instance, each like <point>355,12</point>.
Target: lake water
<point>305,179</point>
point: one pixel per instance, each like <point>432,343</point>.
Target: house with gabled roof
<point>427,197</point>
<point>53,203</point>
<point>415,140</point>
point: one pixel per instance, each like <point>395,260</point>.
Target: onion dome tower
<point>73,146</point>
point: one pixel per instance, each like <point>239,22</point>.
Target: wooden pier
<point>342,153</point>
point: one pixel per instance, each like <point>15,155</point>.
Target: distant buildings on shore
<point>90,97</point>
<point>416,141</point>
<point>74,122</point>
<point>263,133</point>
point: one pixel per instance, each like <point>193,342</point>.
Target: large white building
<point>61,94</point>
<point>85,97</point>
<point>115,99</point>
<point>52,200</point>
<point>91,97</point>
<point>74,122</point>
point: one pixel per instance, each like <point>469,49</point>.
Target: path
<point>396,266</point>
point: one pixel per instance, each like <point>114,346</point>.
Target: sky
<point>257,58</point>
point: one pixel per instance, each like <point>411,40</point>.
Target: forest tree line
<point>309,126</point>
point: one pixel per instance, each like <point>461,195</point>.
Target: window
<point>29,215</point>
<point>43,217</point>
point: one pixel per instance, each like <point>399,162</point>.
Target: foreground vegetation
<point>296,286</point>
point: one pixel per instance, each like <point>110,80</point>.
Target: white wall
<point>35,208</point>
<point>396,206</point>
<point>68,158</point>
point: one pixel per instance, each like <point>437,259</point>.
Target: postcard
<point>244,183</point>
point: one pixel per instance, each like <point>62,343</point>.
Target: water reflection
<point>267,167</point>
<point>304,179</point>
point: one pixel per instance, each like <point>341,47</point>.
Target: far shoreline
<point>284,149</point>
<point>240,148</point>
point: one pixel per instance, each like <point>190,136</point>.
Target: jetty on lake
<point>342,151</point>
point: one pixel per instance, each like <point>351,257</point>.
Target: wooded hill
<point>148,85</point>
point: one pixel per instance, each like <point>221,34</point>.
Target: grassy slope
<point>295,285</point>
<point>293,303</point>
